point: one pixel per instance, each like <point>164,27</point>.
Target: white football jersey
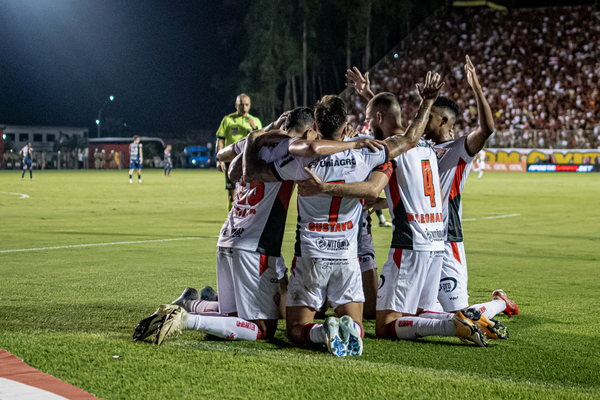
<point>454,163</point>
<point>415,200</point>
<point>328,227</point>
<point>25,152</point>
<point>256,221</point>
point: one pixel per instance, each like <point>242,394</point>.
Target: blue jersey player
<point>135,158</point>
<point>26,154</point>
<point>168,161</point>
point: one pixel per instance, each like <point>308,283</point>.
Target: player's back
<point>415,201</point>
<point>328,227</point>
<point>134,150</point>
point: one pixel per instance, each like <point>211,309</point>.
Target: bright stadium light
<point>97,122</point>
<point>4,136</point>
<point>395,55</point>
<point>112,98</point>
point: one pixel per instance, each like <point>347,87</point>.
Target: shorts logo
<point>381,281</point>
<point>332,245</point>
<point>236,232</point>
<point>448,285</point>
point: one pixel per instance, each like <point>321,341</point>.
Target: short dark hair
<point>444,102</point>
<point>136,137</point>
<point>299,118</point>
<point>330,115</point>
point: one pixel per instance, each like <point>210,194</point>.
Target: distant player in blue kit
<point>27,155</point>
<point>168,162</point>
<point>135,158</point>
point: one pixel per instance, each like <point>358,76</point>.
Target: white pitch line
<point>23,196</point>
<point>100,244</point>
<point>497,216</point>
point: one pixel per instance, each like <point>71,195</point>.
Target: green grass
<point>68,311</point>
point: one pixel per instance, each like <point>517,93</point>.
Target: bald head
<point>242,104</point>
<point>384,115</point>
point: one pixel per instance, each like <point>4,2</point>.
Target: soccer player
<point>233,128</point>
<point>480,164</point>
<point>26,154</point>
<point>168,161</point>
<point>455,158</point>
<point>135,158</point>
<point>248,258</point>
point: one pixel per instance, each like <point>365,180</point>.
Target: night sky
<point>61,59</point>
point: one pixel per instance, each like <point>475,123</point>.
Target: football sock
<point>23,174</point>
<point>444,316</point>
<point>31,174</point>
<point>480,174</point>
<point>224,327</point>
<point>313,333</point>
<point>129,176</point>
<point>491,308</point>
<point>139,176</point>
<point>410,328</point>
<point>165,171</point>
<point>169,173</point>
<point>380,216</point>
<point>201,307</point>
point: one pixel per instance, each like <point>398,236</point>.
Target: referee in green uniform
<point>235,127</point>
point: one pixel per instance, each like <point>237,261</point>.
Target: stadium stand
<point>540,68</point>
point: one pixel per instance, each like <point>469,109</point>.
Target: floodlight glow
<point>97,122</point>
<point>112,98</point>
<point>193,161</point>
<point>4,136</point>
<point>395,55</point>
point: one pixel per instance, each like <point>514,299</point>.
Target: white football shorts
<point>409,280</point>
<point>312,280</point>
<point>453,293</point>
<point>248,284</point>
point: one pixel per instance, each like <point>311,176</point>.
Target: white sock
<point>317,334</point>
<point>444,316</point>
<point>410,328</point>
<point>225,327</point>
<point>491,308</point>
<point>201,307</point>
<point>382,218</point>
<point>480,174</point>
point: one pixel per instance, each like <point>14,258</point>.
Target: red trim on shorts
<point>293,269</point>
<point>305,334</point>
<point>397,257</point>
<point>264,264</point>
<point>455,252</point>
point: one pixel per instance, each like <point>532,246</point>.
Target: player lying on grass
<point>410,278</point>
<point>455,158</point>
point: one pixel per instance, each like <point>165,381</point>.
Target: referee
<point>233,128</point>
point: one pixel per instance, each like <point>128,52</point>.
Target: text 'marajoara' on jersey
<point>256,221</point>
<point>454,164</point>
<point>328,227</point>
<point>135,151</point>
<point>415,200</point>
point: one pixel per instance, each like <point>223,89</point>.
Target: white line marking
<point>497,216</point>
<point>23,196</point>
<point>101,244</point>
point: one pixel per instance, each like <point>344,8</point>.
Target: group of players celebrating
<point>422,288</point>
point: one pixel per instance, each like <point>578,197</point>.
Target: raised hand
<point>432,87</point>
<point>281,121</point>
<point>359,82</point>
<point>372,144</point>
<point>471,75</point>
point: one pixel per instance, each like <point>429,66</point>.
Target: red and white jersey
<point>257,220</point>
<point>454,164</point>
<point>328,227</point>
<point>415,200</point>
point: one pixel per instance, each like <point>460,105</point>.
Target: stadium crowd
<point>540,69</point>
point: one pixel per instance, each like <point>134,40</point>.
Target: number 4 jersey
<point>415,200</point>
<point>257,220</point>
<point>328,227</point>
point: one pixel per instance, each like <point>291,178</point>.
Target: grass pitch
<point>69,311</point>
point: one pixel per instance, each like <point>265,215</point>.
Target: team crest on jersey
<point>435,236</point>
<point>332,245</point>
<point>448,285</point>
<point>440,153</point>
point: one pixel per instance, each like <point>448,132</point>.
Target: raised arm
<point>399,144</point>
<point>368,189</point>
<point>254,170</point>
<point>476,139</point>
<point>359,82</point>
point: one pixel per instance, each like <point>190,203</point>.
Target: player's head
<point>29,144</point>
<point>299,120</point>
<point>442,117</point>
<point>384,115</point>
<point>136,139</point>
<point>168,147</point>
<point>331,117</point>
<point>242,104</point>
